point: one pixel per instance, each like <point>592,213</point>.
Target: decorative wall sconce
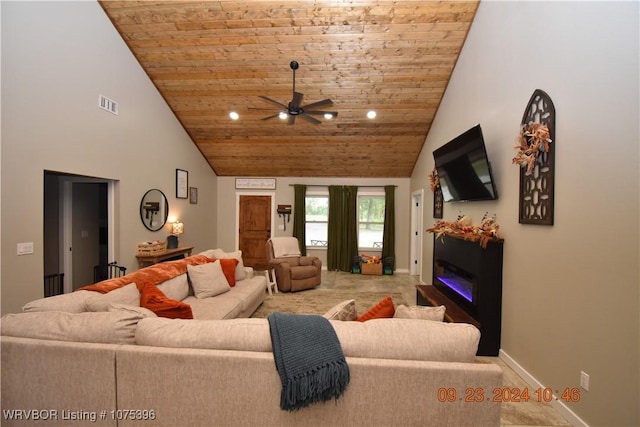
<point>177,228</point>
<point>284,211</point>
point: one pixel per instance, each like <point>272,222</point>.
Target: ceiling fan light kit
<point>294,108</point>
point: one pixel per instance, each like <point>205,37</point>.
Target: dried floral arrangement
<point>435,180</point>
<point>484,233</point>
<point>534,139</point>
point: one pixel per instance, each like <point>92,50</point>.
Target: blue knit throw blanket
<point>309,359</point>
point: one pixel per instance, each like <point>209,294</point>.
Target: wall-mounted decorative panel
<point>536,202</point>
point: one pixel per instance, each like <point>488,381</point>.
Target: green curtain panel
<point>343,227</point>
<point>299,216</point>
<point>334,226</point>
<point>389,232</point>
<point>350,244</point>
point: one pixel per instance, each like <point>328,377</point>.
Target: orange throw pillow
<point>229,269</point>
<point>383,310</point>
<point>155,300</point>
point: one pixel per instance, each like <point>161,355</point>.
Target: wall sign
<point>255,183</point>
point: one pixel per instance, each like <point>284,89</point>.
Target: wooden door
<point>255,230</point>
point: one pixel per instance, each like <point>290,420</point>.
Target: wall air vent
<point>108,104</point>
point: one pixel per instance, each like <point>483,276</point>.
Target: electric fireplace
<point>459,285</point>
<point>470,277</point>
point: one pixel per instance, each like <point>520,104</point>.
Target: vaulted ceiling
<point>209,58</point>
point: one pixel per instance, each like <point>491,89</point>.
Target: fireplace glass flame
<point>456,280</point>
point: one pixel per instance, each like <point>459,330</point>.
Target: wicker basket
<point>374,269</point>
<point>151,248</point>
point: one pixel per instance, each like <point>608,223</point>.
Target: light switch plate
<point>25,248</point>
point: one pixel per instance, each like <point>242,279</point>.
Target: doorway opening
<point>78,230</point>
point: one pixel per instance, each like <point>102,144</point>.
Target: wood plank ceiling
<point>208,58</point>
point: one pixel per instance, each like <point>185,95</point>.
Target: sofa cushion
<point>420,312</point>
<point>208,280</point>
<point>383,309</point>
<point>303,272</point>
<point>399,339</point>
<point>128,295</point>
<point>176,288</point>
<point>223,306</point>
<point>231,334</point>
<point>346,310</point>
<point>152,298</point>
<point>116,327</point>
<point>73,302</point>
<point>249,291</point>
<point>143,312</point>
<point>410,339</point>
<point>240,272</point>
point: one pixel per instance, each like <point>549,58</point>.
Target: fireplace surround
<point>470,276</point>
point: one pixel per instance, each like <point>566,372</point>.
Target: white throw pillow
<point>346,310</point>
<point>220,254</point>
<point>176,288</point>
<point>420,312</point>
<point>127,294</point>
<point>208,279</point>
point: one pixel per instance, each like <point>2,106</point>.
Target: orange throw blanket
<point>155,274</point>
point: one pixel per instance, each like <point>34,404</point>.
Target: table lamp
<point>176,229</point>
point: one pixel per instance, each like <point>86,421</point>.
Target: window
<point>370,221</point>
<point>317,220</point>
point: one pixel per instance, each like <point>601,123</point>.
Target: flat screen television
<point>464,169</point>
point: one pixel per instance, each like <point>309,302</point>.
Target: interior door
<point>254,230</point>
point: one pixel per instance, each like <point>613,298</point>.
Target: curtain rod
<point>328,185</point>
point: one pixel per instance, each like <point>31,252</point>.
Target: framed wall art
<point>438,202</point>
<point>193,195</point>
<point>182,184</point>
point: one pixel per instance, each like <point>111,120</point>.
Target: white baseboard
<point>557,404</point>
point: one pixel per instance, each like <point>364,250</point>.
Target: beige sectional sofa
<point>126,367</point>
<point>241,300</point>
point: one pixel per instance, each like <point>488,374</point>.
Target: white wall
<point>283,195</point>
<point>571,290</point>
<point>57,57</point>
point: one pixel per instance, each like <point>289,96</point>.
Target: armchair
<point>292,271</point>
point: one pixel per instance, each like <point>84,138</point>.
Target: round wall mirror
<point>154,209</point>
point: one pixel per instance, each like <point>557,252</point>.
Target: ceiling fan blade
<point>259,109</point>
<point>296,101</point>
<point>310,119</point>
<point>323,103</point>
<point>333,113</point>
<point>273,101</point>
<point>270,117</point>
<point>291,119</point>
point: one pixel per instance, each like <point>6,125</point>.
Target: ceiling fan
<point>294,109</point>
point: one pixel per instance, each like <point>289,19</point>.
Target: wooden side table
<point>147,260</point>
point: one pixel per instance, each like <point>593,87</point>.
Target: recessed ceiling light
<point>234,115</point>
<point>282,115</point>
<point>371,114</point>
<point>328,116</point>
